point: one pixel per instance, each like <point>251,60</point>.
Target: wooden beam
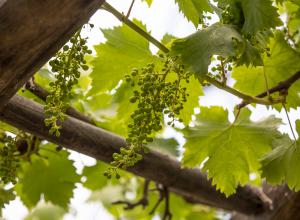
<point>30,34</point>
<point>42,94</point>
<point>286,205</point>
<point>100,144</point>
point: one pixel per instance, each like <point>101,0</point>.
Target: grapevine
<point>12,151</point>
<point>159,92</point>
<point>66,65</point>
<point>9,162</point>
<point>232,14</point>
<point>220,70</point>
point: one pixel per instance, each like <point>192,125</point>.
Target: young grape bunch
<point>9,161</point>
<point>66,65</point>
<point>158,92</point>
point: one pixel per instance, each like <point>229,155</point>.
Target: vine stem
<point>282,87</point>
<point>236,116</point>
<point>130,8</point>
<point>266,82</point>
<point>223,72</point>
<point>124,19</point>
<point>290,124</point>
<point>247,98</point>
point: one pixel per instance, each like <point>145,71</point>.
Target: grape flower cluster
<point>66,65</point>
<point>9,161</point>
<point>158,92</point>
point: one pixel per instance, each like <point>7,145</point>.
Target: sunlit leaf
<point>194,9</point>
<point>53,178</point>
<point>197,49</point>
<point>282,164</point>
<point>124,49</point>
<point>229,151</point>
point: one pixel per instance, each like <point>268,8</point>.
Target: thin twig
<point>167,214</point>
<point>142,202</point>
<point>245,97</point>
<point>160,199</point>
<point>163,195</point>
<point>135,27</point>
<point>130,8</point>
<point>290,124</point>
<point>281,87</point>
<point>223,72</point>
<point>237,116</point>
<point>266,82</point>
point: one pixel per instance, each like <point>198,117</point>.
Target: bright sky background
<point>163,17</point>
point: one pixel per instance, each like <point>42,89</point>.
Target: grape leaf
<point>167,39</point>
<point>292,8</point>
<point>282,63</point>
<point>250,56</point>
<point>165,145</point>
<point>6,195</point>
<point>283,162</point>
<point>149,2</point>
<point>114,125</point>
<point>194,9</point>
<point>54,178</point>
<point>94,176</point>
<point>95,179</point>
<point>180,210</point>
<point>194,89</point>
<point>229,151</point>
<point>125,107</point>
<point>98,105</point>
<point>46,212</point>
<point>124,49</point>
<point>280,1</point>
<point>197,49</point>
<point>259,15</point>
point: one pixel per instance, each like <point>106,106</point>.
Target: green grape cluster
<point>205,20</point>
<point>158,91</point>
<point>259,41</point>
<point>233,14</point>
<point>220,70</point>
<point>66,65</point>
<point>9,161</point>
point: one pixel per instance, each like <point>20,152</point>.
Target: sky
<point>163,17</point>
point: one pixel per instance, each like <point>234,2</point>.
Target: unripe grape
<point>66,47</point>
<point>85,67</point>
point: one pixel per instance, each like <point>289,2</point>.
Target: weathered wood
<point>100,144</point>
<point>286,205</point>
<point>31,32</point>
<point>42,94</point>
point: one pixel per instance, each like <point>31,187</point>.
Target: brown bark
<point>30,34</point>
<point>286,205</point>
<point>100,144</point>
<point>281,87</point>
<point>41,93</point>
